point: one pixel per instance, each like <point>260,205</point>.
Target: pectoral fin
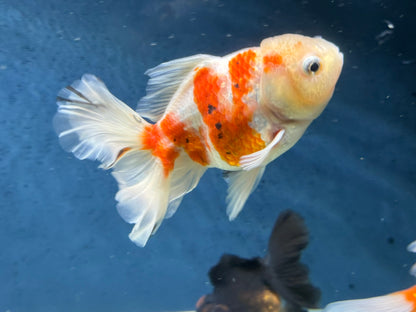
<point>254,160</point>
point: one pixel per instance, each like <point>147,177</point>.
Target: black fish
<point>278,282</point>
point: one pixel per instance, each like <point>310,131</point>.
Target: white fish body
<point>235,113</point>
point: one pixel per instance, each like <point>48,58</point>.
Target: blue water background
<point>352,176</point>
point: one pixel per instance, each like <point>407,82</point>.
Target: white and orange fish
<point>400,301</point>
<point>236,113</point>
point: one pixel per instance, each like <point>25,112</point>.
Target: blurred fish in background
<point>278,282</point>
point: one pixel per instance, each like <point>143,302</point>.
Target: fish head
<point>299,75</point>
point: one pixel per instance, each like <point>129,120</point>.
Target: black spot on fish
<point>228,153</point>
<point>351,286</point>
<point>220,135</point>
<point>187,140</point>
<point>218,125</point>
<point>390,240</point>
<point>236,86</point>
<point>211,109</point>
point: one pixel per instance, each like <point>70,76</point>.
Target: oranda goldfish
<point>276,283</point>
<point>236,113</point>
<point>280,283</point>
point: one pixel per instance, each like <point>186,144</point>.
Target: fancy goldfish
<point>400,301</point>
<point>278,282</point>
<point>236,113</point>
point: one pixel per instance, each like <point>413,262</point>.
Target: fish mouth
<point>207,304</point>
<point>212,307</point>
<point>341,56</point>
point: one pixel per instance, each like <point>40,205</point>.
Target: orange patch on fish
<point>229,132</point>
<point>188,139</point>
<point>410,295</point>
<point>171,128</point>
<point>241,72</point>
<point>271,61</point>
<point>152,139</point>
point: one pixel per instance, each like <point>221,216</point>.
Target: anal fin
<point>184,178</point>
<point>143,193</point>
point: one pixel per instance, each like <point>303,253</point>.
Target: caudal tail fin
<point>401,301</point>
<point>93,124</point>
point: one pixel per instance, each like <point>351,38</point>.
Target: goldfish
<point>400,301</point>
<point>279,282</point>
<point>274,283</point>
<point>236,113</point>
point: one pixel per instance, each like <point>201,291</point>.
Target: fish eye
<point>311,64</point>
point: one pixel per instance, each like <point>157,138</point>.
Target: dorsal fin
<point>164,80</point>
<point>290,277</point>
